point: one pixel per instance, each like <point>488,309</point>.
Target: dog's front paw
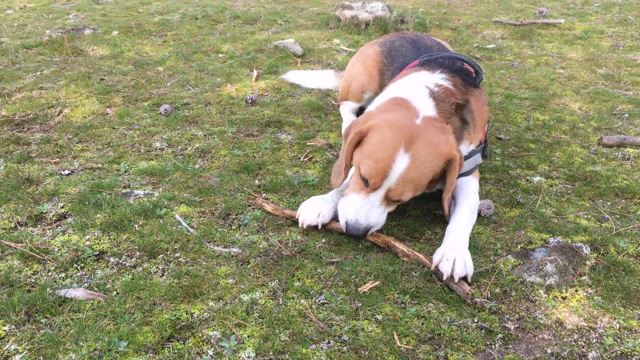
<point>317,210</point>
<point>453,261</point>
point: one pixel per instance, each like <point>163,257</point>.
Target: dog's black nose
<point>358,231</point>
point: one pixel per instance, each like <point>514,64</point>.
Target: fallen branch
<point>619,140</point>
<point>529,22</point>
<point>461,287</point>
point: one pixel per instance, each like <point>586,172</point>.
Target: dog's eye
<point>364,181</point>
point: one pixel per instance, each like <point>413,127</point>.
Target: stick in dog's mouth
<point>462,288</point>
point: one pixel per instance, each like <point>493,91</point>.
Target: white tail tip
<point>314,79</point>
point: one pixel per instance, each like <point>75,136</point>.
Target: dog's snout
<point>356,230</point>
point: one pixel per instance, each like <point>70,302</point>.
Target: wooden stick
<point>529,22</point>
<point>619,140</point>
<point>461,287</point>
<point>22,247</point>
<point>185,224</point>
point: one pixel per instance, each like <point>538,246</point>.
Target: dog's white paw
<point>317,210</point>
<point>453,261</point>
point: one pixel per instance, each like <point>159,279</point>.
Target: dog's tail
<point>315,79</point>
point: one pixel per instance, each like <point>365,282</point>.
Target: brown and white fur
<point>416,127</point>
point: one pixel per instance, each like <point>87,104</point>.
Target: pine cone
<point>543,12</point>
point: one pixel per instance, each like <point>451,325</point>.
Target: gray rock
<point>291,46</point>
<point>553,265</point>
<point>363,12</point>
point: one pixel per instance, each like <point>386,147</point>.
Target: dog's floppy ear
<point>452,169</point>
<point>352,137</point>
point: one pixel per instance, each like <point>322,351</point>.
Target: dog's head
<point>387,159</point>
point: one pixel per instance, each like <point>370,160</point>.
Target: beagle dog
<point>414,120</point>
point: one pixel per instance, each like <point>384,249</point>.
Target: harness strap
<point>474,158</point>
<point>470,64</point>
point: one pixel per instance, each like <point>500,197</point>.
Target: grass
<point>291,293</point>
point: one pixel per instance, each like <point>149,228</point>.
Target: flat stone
<point>553,265</point>
<point>291,46</point>
<point>363,12</point>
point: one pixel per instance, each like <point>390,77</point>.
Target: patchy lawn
<point>81,86</point>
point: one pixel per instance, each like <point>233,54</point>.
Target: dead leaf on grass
<point>368,286</point>
<point>80,294</point>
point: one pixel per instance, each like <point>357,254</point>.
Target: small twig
<point>221,249</point>
<point>21,247</point>
<point>185,224</point>
<point>239,337</point>
<point>540,197</point>
<point>304,158</point>
<point>313,318</point>
<point>529,22</point>
<point>520,154</point>
<point>479,57</point>
<point>66,45</point>
<point>395,336</point>
<point>486,290</point>
<point>627,228</point>
<point>279,245</point>
<point>575,277</point>
<point>607,217</point>
<point>174,160</point>
<point>69,6</point>
<point>255,76</point>
<point>237,320</point>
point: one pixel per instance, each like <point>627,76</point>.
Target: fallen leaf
<point>80,294</point>
<point>368,286</point>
